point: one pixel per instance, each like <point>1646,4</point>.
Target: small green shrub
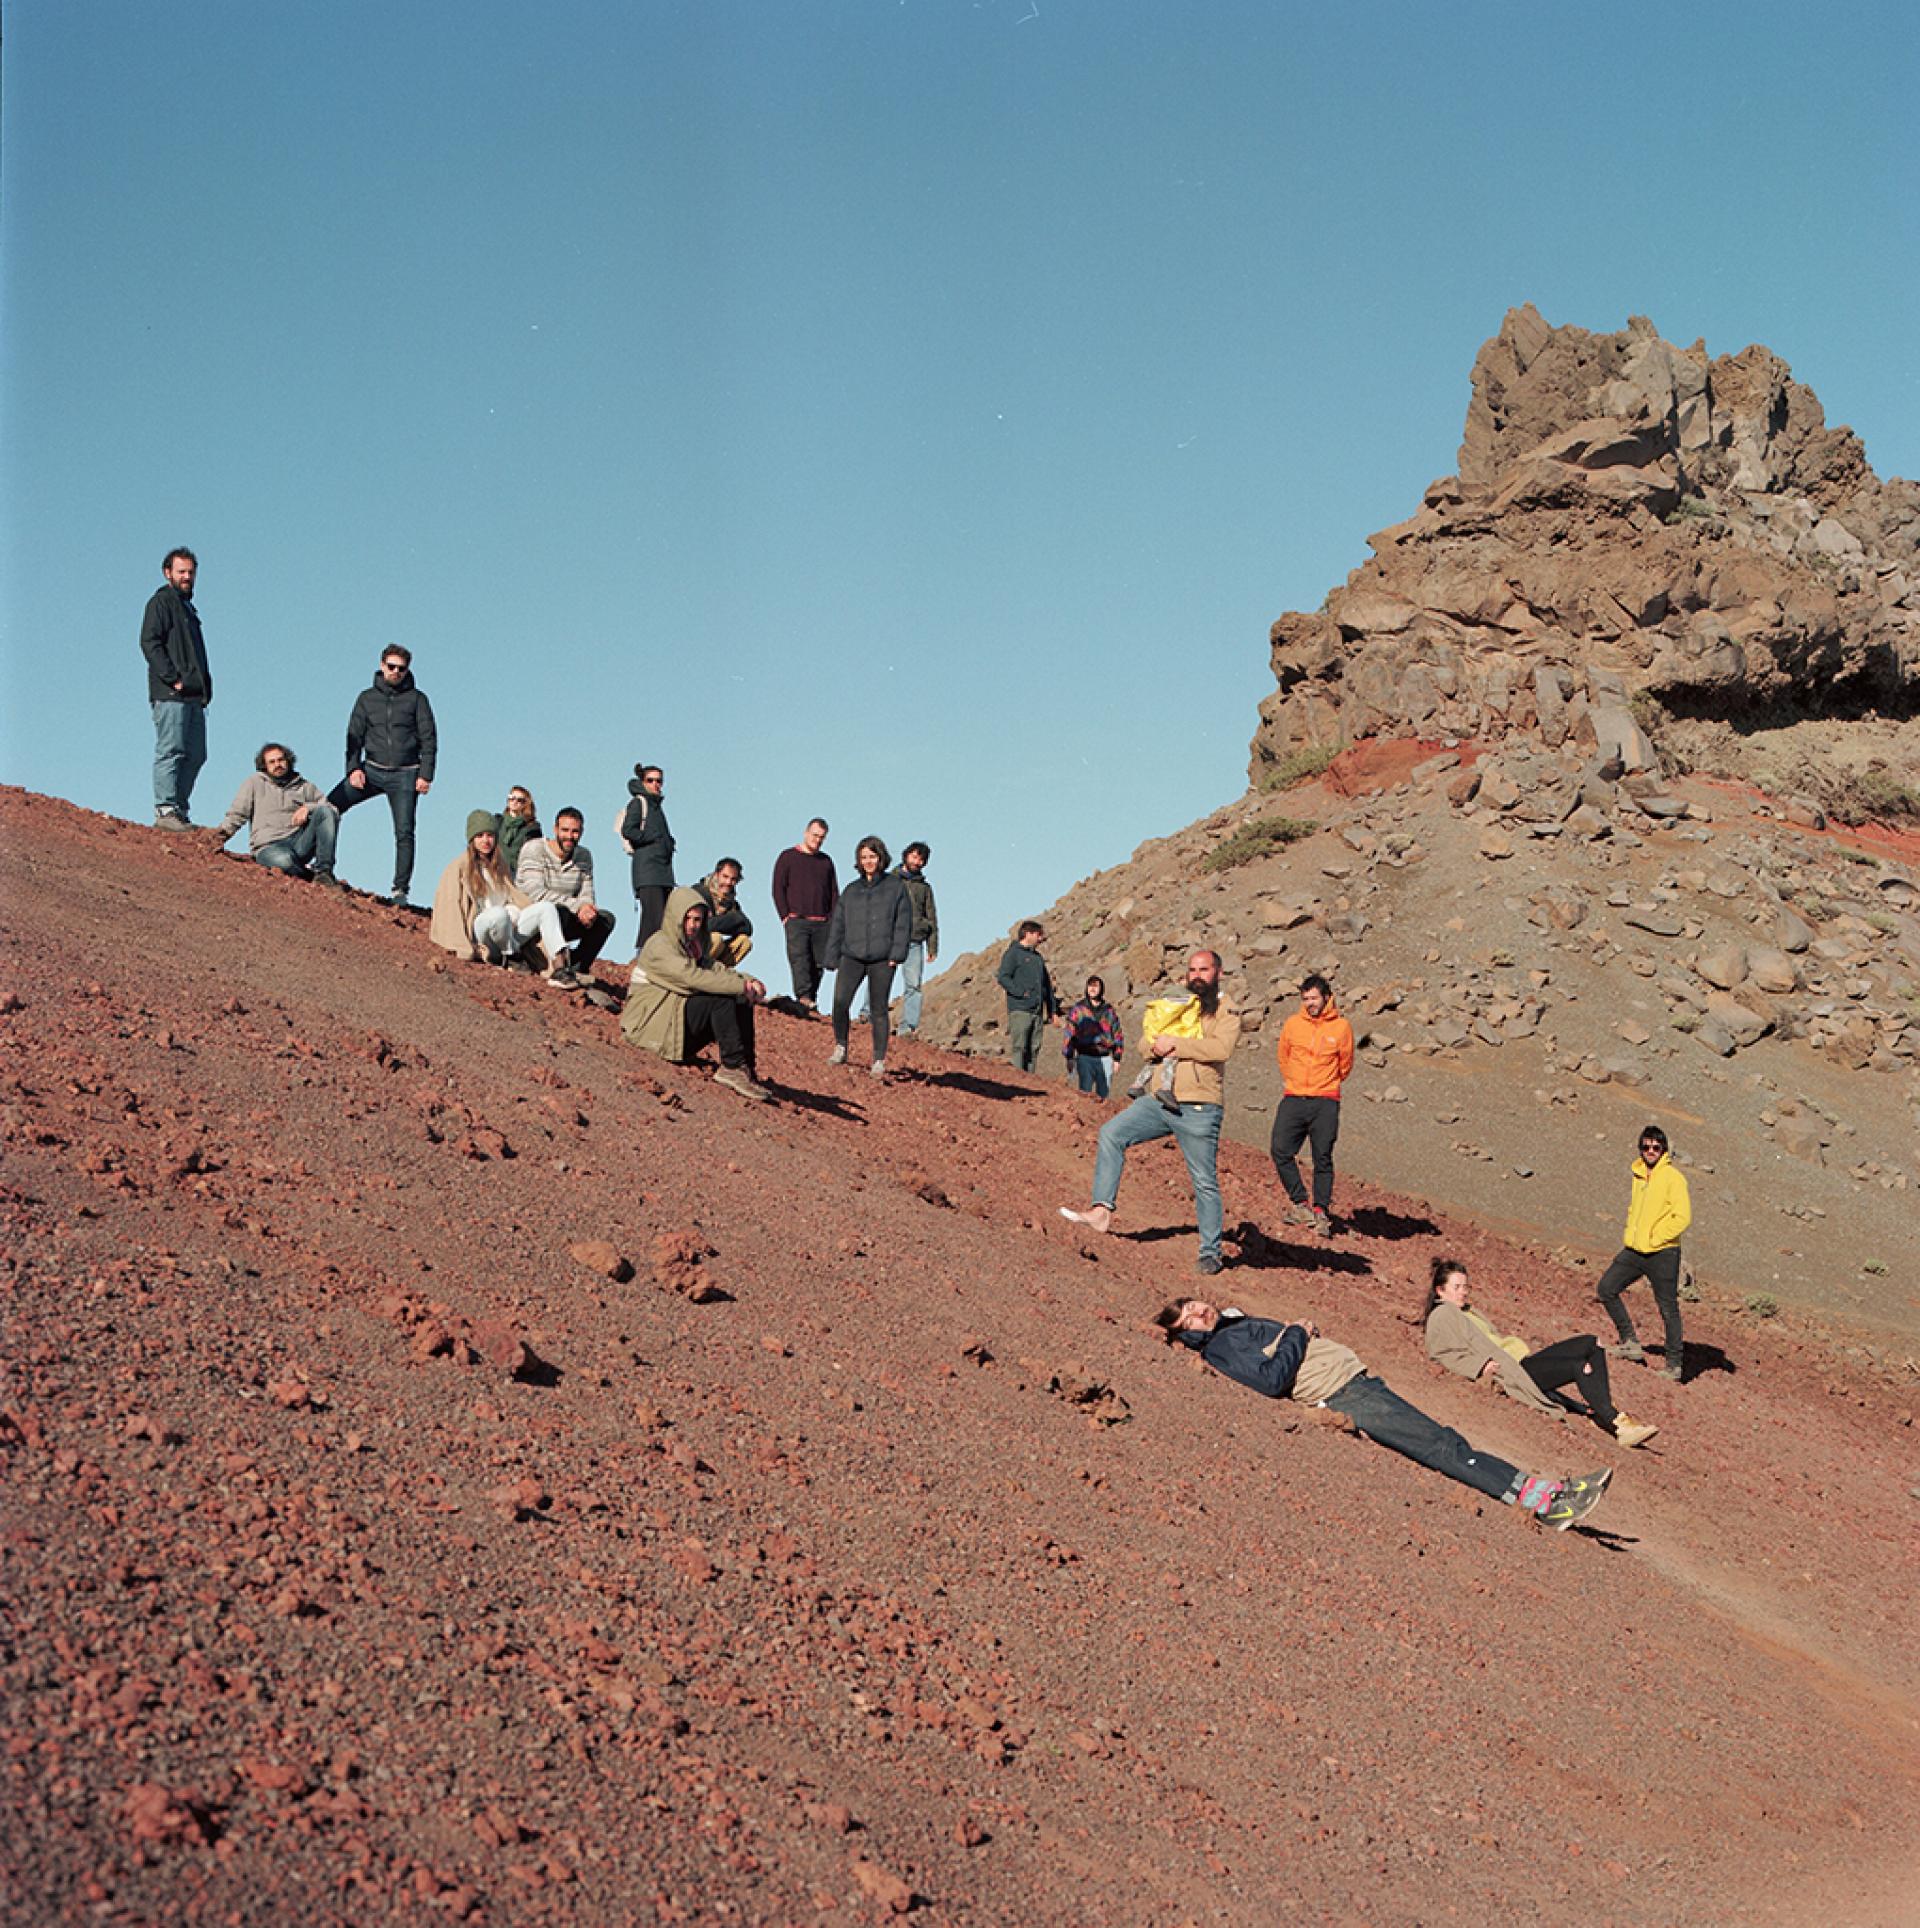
<point>1690,508</point>
<point>1882,921</point>
<point>1847,856</point>
<point>1257,839</point>
<point>1763,1305</point>
<point>1877,1267</point>
<point>1298,765</point>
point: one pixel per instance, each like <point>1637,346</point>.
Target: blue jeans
<point>179,754</point>
<point>402,798</point>
<point>310,846</point>
<point>1197,1127</point>
<point>1383,1415</point>
<point>1091,1071</point>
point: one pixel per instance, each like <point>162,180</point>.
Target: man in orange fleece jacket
<point>1316,1056</point>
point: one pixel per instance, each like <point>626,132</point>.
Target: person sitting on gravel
<point>1657,1215</point>
<point>557,870</point>
<point>1316,1058</point>
<point>1465,1343</point>
<point>1200,1095</point>
<point>291,827</point>
<point>729,927</point>
<point>480,914</point>
<point>1290,1360</point>
<point>689,997</point>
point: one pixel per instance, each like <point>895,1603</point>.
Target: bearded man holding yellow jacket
<point>1659,1213</point>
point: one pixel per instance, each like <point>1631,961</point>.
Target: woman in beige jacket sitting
<point>1465,1343</point>
<point>480,913</point>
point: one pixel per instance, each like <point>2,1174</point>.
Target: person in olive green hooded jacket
<point>686,996</point>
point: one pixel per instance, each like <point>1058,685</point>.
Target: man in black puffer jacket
<point>392,747</point>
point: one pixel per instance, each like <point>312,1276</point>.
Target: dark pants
<point>1025,1029</point>
<point>1578,1362</point>
<point>1661,1270</point>
<point>584,937</point>
<point>806,955</point>
<point>1306,1119</point>
<point>725,1021</point>
<point>1383,1415</point>
<point>1091,1071</point>
<point>651,902</point>
<point>402,798</point>
<point>878,978</point>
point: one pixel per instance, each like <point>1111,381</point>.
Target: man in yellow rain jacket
<point>1659,1213</point>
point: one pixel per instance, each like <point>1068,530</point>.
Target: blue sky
<point>913,414</point>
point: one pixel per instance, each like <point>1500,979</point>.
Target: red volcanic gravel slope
<point>829,1538</point>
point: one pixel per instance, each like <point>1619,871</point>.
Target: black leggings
<point>1579,1362</point>
<point>878,978</point>
<point>1661,1270</point>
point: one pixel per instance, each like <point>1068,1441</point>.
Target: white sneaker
<point>838,1055</point>
<point>878,1068</point>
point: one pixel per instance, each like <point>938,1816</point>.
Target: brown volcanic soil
<point>365,1552</point>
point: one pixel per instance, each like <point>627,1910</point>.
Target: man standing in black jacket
<point>391,748</point>
<point>179,688</point>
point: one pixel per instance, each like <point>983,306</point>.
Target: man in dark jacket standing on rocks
<point>649,841</point>
<point>1023,975</point>
<point>392,746</point>
<point>805,890</point>
<point>179,688</point>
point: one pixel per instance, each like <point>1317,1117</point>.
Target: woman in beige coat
<point>479,912</point>
<point>1465,1343</point>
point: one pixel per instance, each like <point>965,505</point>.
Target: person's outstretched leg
<point>1141,1123</point>
<point>1579,1362</point>
<point>1384,1416</point>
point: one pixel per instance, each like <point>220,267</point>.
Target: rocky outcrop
<point>1637,536</point>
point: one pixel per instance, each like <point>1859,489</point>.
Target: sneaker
<point>1632,1432</point>
<point>1206,1264</point>
<point>564,980</point>
<point>1628,1349</point>
<point>327,880</point>
<point>1676,1370</point>
<point>838,1055</point>
<point>1323,1223</point>
<point>1575,1500</point>
<point>597,993</point>
<point>170,820</point>
<point>878,1069</point>
<point>739,1081</point>
<point>522,963</point>
<point>1301,1214</point>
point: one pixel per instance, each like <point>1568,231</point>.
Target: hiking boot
<point>1575,1500</point>
<point>1206,1264</point>
<point>878,1069</point>
<point>170,820</point>
<point>1297,1214</point>
<point>1628,1349</point>
<point>838,1055</point>
<point>740,1081</point>
<point>1632,1432</point>
<point>327,880</point>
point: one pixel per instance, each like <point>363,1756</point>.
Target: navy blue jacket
<point>394,728</point>
<point>1238,1345</point>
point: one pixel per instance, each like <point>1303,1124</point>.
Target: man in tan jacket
<point>1199,1092</point>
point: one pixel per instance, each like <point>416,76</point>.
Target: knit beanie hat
<point>480,823</point>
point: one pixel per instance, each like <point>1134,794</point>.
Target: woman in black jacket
<point>867,941</point>
<point>644,831</point>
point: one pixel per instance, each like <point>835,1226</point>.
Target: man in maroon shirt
<point>805,890</point>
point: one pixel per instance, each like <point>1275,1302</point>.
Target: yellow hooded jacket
<point>1661,1209</point>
